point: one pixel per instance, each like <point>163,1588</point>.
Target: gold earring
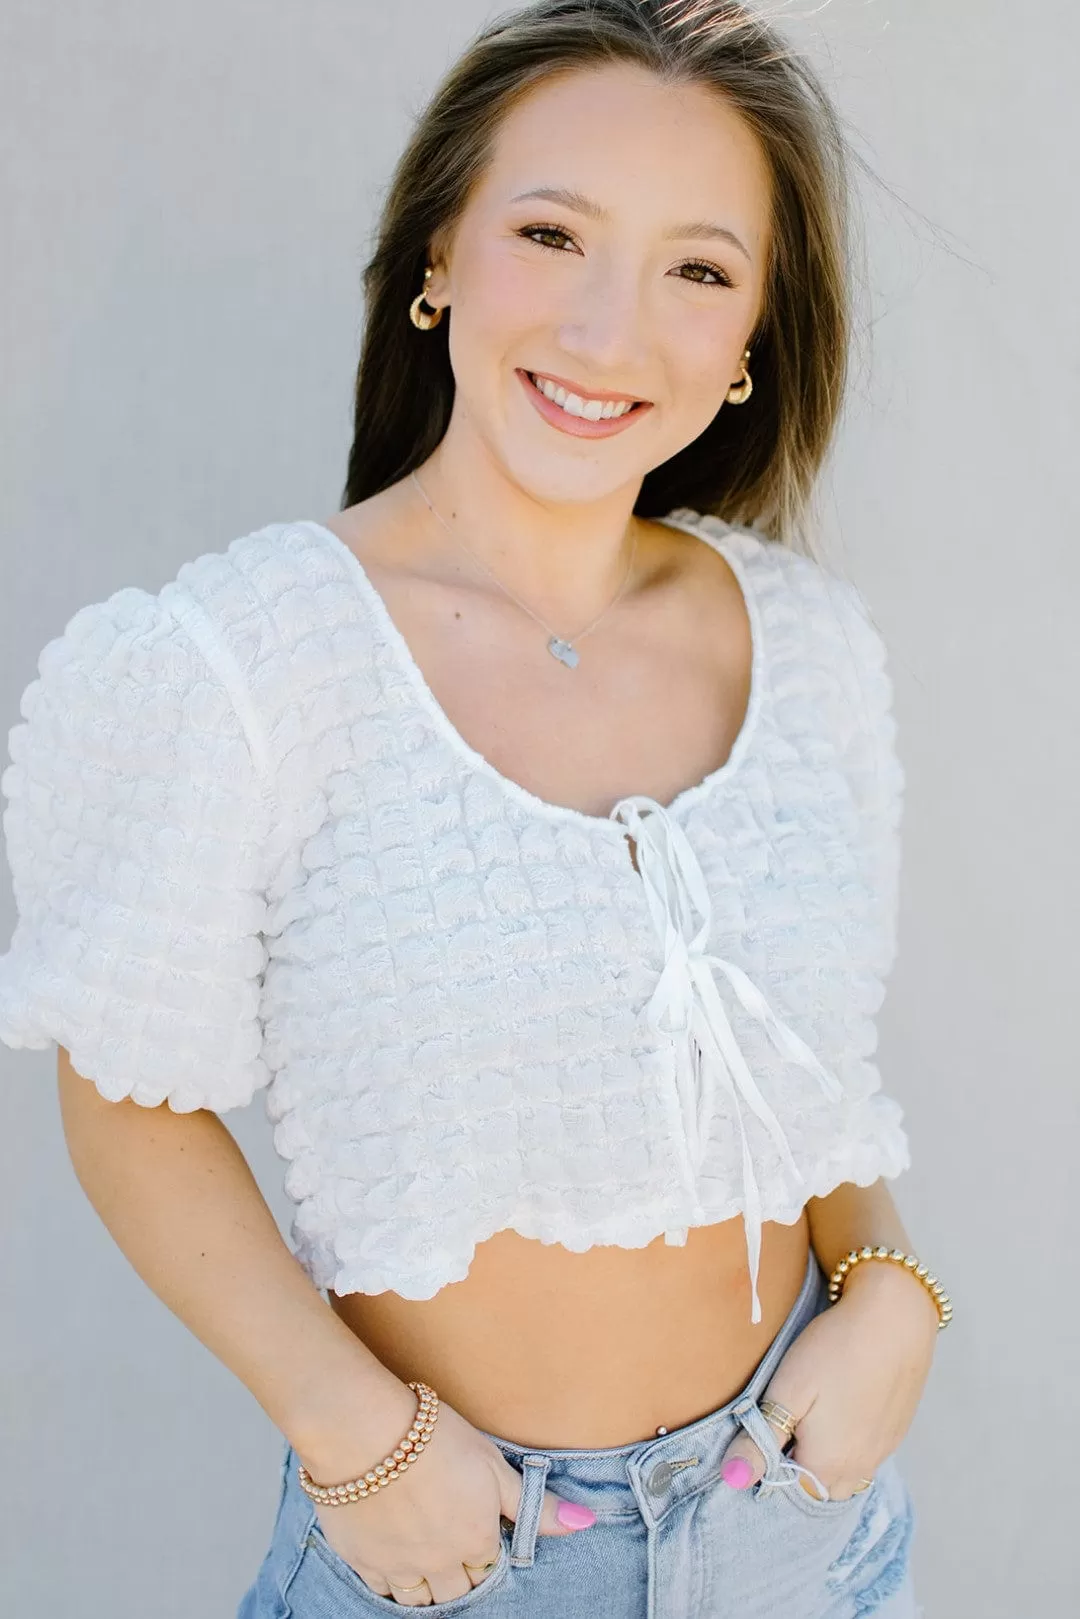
<point>418,316</point>
<point>740,392</point>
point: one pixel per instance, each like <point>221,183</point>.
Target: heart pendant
<point>563,651</point>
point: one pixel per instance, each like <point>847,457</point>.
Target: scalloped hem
<point>862,1164</point>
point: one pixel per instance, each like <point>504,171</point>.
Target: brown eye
<point>531,232</point>
<point>713,269</point>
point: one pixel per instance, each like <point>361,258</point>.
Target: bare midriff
<point>586,1351</point>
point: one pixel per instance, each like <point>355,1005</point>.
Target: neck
<point>565,558</point>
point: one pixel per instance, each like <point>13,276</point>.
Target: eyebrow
<point>696,230</point>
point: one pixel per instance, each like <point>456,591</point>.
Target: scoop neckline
<point>478,762</point>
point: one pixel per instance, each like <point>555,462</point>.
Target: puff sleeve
<point>137,828</point>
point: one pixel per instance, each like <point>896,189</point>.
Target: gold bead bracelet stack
<point>392,1465</point>
<point>909,1261</point>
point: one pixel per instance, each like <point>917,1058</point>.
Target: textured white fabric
<point>249,850</point>
<point>686,1005</point>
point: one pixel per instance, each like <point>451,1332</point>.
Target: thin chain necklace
<point>562,648</point>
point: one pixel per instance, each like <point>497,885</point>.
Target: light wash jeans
<point>671,1541</point>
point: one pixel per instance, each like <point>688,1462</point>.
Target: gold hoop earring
<point>740,392</point>
<point>418,316</point>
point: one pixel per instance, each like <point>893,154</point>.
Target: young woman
<point>529,829</point>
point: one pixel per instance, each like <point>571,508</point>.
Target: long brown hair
<point>755,465</point>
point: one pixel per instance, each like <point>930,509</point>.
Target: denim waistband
<point>684,1459</point>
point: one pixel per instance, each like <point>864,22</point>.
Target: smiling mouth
<point>594,409</point>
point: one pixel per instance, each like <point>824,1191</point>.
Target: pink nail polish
<point>737,1472</point>
<point>574,1516</point>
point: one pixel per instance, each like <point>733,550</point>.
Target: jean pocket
<point>324,1582</point>
<point>789,1487</point>
<point>781,1480</point>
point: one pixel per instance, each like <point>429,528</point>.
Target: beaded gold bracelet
<point>909,1261</point>
<point>392,1465</point>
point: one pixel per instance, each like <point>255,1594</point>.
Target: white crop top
<point>249,849</point>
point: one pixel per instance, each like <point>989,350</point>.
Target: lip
<point>582,393</point>
<point>578,426</point>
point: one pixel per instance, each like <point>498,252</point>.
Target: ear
<point>436,293</point>
<point>438,289</point>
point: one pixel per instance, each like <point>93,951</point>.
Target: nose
<point>606,329</point>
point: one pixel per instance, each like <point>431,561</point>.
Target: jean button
<point>659,1479</point>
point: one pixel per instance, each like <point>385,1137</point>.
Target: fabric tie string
<point>686,1006</point>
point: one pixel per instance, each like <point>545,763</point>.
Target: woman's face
<point>622,286</point>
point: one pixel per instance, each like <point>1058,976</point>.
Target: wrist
<point>880,1281</point>
<point>360,1434</point>
<point>348,1412</point>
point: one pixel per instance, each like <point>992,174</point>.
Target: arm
<point>146,835</point>
<point>143,841</point>
<point>855,1374</point>
<point>177,1196</point>
<point>857,1216</point>
<point>854,1216</point>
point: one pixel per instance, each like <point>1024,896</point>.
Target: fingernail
<point>574,1516</point>
<point>737,1472</point>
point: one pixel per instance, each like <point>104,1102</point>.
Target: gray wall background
<point>186,197</point>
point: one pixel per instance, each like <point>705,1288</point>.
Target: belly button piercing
<point>661,1430</point>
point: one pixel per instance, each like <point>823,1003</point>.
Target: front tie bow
<point>686,1006</point>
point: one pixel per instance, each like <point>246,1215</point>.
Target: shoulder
<point>248,575</point>
<point>815,627</point>
<point>257,577</point>
<point>141,666</point>
<point>791,587</point>
<point>805,578</point>
<point>265,594</point>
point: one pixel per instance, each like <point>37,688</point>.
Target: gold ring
<point>481,1568</point>
<point>415,1587</point>
<point>864,1484</point>
<point>779,1416</point>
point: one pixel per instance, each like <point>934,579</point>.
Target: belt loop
<point>534,1471</point>
<point>763,1434</point>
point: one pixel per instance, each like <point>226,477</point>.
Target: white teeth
<point>592,410</point>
